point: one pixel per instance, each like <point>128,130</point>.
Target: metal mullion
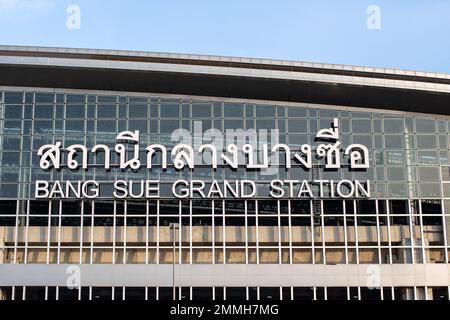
<point>180,220</point>
<point>114,233</point>
<point>124,250</point>
<point>378,234</point>
<point>444,228</point>
<point>16,232</point>
<point>224,242</point>
<point>190,229</point>
<point>257,234</point>
<point>25,258</point>
<point>213,236</point>
<point>49,225</point>
<point>157,239</point>
<point>91,249</point>
<point>388,214</point>
<point>280,256</point>
<point>322,221</point>
<point>422,233</point>
<point>147,230</point>
<point>345,237</point>
<point>81,232</point>
<point>313,235</point>
<point>289,229</point>
<point>412,234</point>
<point>246,237</point>
<point>356,239</point>
<point>58,255</point>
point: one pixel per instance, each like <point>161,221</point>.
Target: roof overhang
<point>244,78</point>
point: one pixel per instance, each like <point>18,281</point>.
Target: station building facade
<point>310,239</point>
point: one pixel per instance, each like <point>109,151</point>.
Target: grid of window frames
<point>405,221</point>
<point>222,293</point>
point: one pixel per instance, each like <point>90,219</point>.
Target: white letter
<point>276,185</point>
<point>39,188</point>
<point>118,187</point>
<point>86,190</point>
<point>184,192</point>
<point>360,187</point>
<point>252,185</point>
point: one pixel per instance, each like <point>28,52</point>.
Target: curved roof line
<point>240,78</point>
<point>225,61</point>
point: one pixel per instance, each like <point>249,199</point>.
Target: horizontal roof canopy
<point>282,81</point>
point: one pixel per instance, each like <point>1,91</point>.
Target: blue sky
<point>414,34</point>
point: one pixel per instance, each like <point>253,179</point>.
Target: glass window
<point>297,126</point>
<point>296,112</point>
<point>140,125</point>
<point>425,125</point>
<point>75,111</point>
<point>201,110</point>
<point>13,112</point>
<point>106,126</point>
<point>75,125</point>
<point>445,173</point>
<point>13,97</point>
<point>268,124</point>
<point>44,98</point>
<point>362,125</point>
<point>426,142</point>
<point>76,98</point>
<point>432,190</point>
<point>394,141</point>
<point>396,173</point>
<point>170,109</point>
<point>169,126</point>
<point>265,111</point>
<point>430,174</point>
<point>427,158</point>
<point>234,110</point>
<point>106,111</point>
<point>138,110</point>
<point>393,125</point>
<point>43,111</point>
